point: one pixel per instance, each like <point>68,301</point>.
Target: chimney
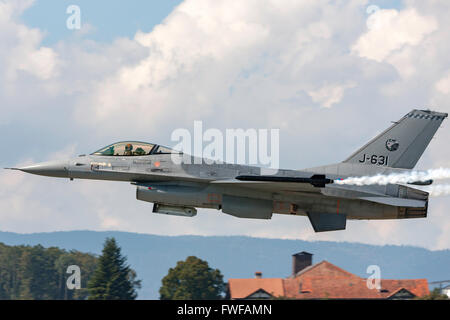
<point>300,261</point>
<point>258,275</point>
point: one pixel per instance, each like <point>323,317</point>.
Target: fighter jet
<point>179,187</point>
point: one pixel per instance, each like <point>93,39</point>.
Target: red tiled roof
<point>325,280</point>
<point>418,287</point>
<point>242,288</point>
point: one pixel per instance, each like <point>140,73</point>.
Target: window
<point>126,149</point>
<point>162,150</point>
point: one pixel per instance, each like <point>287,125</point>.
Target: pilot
<point>128,150</point>
<point>139,151</point>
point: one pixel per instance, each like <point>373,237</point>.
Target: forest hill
<point>38,273</point>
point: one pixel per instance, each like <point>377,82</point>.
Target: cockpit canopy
<point>132,148</point>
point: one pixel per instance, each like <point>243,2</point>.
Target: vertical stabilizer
<point>401,145</point>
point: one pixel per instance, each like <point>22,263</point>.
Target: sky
<point>329,74</point>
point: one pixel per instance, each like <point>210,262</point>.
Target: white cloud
<point>200,62</point>
<point>391,30</point>
<point>39,62</point>
<point>330,94</point>
<point>233,64</point>
<point>20,46</point>
<point>443,85</point>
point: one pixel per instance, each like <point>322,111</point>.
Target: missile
<point>421,183</point>
<point>317,180</point>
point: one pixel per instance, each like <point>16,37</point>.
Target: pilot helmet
<point>129,147</point>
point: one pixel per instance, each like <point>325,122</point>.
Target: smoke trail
<point>403,177</point>
<point>438,190</point>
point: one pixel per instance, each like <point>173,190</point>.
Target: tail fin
<point>401,145</point>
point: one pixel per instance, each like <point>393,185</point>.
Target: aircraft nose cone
<point>50,169</point>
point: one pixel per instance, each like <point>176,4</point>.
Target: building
<point>446,291</point>
<point>323,280</point>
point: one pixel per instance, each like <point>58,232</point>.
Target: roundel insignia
<point>392,144</point>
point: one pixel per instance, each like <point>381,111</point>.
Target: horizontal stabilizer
<point>322,222</point>
<point>397,202</point>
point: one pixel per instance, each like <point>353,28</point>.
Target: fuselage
<point>171,180</point>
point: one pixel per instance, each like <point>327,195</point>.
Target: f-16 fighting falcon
<point>179,187</point>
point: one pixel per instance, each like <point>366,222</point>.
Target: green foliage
<point>113,279</point>
<point>192,279</point>
<point>87,271</point>
<point>36,273</point>
<point>434,295</point>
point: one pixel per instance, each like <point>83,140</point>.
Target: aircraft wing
<point>320,221</point>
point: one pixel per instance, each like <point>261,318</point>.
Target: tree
<point>38,273</point>
<point>192,279</point>
<point>434,295</point>
<point>38,277</point>
<point>113,279</point>
<point>87,264</point>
